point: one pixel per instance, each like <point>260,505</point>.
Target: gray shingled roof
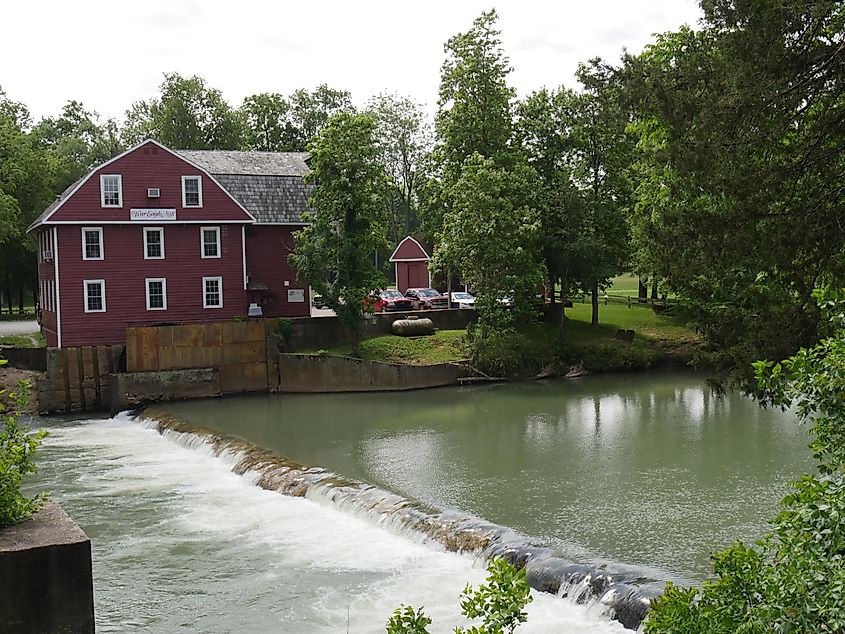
<point>249,163</point>
<point>269,198</point>
<point>268,184</point>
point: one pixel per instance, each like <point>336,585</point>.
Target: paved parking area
<point>18,327</point>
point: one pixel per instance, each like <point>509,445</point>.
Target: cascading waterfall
<point>624,595</point>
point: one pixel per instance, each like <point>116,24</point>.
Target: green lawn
<point>625,284</point>
<point>441,347</point>
<point>641,319</point>
<point>598,349</point>
<point>35,340</point>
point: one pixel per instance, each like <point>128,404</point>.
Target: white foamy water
<point>180,543</point>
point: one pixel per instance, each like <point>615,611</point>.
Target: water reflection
<point>649,469</point>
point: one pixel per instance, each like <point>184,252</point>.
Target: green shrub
<point>17,458</point>
<point>507,353</point>
<point>499,603</point>
<point>607,356</point>
<point>282,334</point>
<point>407,620</point>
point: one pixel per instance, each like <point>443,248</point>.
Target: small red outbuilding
<point>410,260</point>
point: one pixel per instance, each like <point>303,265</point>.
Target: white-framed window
<point>212,292</point>
<point>156,293</point>
<point>210,242</point>
<point>153,243</point>
<point>111,190</point>
<point>94,296</point>
<point>192,191</point>
<point>92,243</point>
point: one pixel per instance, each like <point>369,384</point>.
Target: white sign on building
<point>152,214</point>
<point>296,295</point>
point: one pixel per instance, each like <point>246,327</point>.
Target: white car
<point>461,300</point>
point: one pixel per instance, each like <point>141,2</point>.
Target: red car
<point>427,298</point>
<point>390,301</point>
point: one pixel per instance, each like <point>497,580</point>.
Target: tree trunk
<point>20,299</point>
<point>9,291</point>
<point>654,291</point>
<point>642,293</point>
<point>595,318</point>
<point>562,322</point>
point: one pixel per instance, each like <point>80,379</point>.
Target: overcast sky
<point>109,54</point>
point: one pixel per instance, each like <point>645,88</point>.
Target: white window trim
<point>163,291</point>
<point>159,230</point>
<point>219,285</point>
<point>199,190</point>
<point>202,243</point>
<point>119,191</point>
<point>85,284</point>
<point>99,230</point>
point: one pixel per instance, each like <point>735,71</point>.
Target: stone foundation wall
<point>78,379</point>
<point>133,389</point>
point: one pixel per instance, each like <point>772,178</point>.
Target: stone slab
<point>46,582</point>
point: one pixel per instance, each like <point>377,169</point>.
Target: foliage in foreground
<point>793,580</point>
<point>17,458</point>
<point>499,603</point>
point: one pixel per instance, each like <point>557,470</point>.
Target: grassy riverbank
<point>658,339</point>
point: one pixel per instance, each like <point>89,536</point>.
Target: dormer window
<point>191,191</point>
<point>111,190</point>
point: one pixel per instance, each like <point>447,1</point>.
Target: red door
<point>417,275</point>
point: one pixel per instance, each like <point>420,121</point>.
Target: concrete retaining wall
<point>318,373</point>
<point>77,379</point>
<point>45,576</point>
<point>133,389</point>
<point>25,358</point>
<point>237,349</point>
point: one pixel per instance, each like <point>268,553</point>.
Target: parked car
<point>389,300</point>
<point>426,298</point>
<point>461,299</point>
<point>317,301</point>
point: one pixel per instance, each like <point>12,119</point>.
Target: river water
<point>648,471</point>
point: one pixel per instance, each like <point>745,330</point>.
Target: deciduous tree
<point>267,121</point>
<point>188,115</point>
<point>482,207</point>
<point>404,139</point>
<point>334,252</point>
<point>750,112</point>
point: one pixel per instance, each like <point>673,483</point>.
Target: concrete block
<point>45,575</point>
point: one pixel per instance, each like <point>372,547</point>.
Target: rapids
<point>182,543</point>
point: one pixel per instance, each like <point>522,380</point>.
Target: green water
<point>652,470</point>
